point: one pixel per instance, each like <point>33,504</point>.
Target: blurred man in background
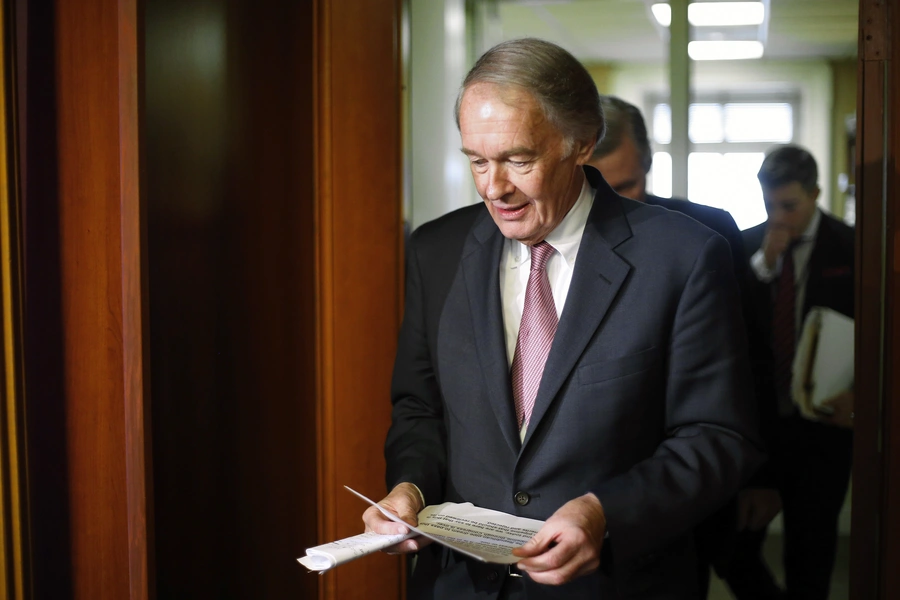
<point>799,258</point>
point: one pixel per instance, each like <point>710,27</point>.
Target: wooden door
<point>875,541</point>
<point>212,234</point>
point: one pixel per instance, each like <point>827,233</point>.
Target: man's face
<point>519,161</point>
<point>623,171</point>
<point>790,207</point>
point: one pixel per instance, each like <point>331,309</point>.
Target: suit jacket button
<point>522,498</point>
<point>492,576</point>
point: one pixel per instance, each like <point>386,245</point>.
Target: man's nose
<point>498,184</point>
<point>775,215</point>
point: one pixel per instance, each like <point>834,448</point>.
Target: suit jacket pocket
<point>617,367</point>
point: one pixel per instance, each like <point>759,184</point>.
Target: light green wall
<point>600,72</point>
<point>844,105</point>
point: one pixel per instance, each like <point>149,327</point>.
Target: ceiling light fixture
<point>714,14</point>
<point>725,50</point>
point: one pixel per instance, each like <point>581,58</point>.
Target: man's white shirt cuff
<point>760,268</point>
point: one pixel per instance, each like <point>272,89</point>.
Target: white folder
<point>823,363</point>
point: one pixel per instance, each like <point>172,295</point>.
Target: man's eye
<point>518,163</point>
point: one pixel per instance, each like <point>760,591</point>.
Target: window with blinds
<point>729,139</point>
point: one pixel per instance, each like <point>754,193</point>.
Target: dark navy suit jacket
<point>716,219</point>
<point>645,399</point>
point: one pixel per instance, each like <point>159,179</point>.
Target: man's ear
<point>815,194</point>
<point>584,149</point>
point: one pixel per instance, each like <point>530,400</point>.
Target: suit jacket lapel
<point>827,252</point>
<point>481,262</point>
<point>819,257</point>
<point>599,273</point>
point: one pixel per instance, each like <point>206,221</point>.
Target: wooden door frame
<point>359,183</point>
<point>15,574</point>
<point>875,537</point>
<point>84,324</point>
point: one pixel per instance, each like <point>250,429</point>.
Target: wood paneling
<point>358,220</point>
<point>43,331</point>
<point>230,198</point>
<point>891,522</point>
<point>15,554</point>
<point>101,310</point>
<point>273,196</point>
<point>86,380</point>
<point>258,145</point>
<point>185,123</point>
<point>867,464</point>
<point>877,424</point>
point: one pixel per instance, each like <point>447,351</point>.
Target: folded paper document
<point>483,534</point>
<point>823,363</point>
<point>322,558</point>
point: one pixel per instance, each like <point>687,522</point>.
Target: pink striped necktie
<point>536,333</point>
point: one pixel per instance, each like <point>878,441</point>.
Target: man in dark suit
<point>604,391</point>
<point>624,159</point>
<point>805,256</point>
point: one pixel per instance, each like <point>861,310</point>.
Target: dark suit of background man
<point>811,459</point>
<point>624,158</point>
<point>642,424</point>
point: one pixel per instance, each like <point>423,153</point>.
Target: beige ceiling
<point>625,31</point>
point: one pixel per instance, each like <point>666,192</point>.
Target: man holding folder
<point>800,258</point>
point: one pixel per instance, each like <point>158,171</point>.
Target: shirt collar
<point>566,238</point>
<point>810,233</point>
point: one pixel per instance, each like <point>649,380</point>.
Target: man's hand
<point>756,507</point>
<point>405,502</point>
<point>568,545</point>
<point>776,241</point>
<point>842,407</point>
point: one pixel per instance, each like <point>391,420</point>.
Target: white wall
<point>440,174</point>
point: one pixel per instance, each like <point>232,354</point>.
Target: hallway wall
<point>441,181</point>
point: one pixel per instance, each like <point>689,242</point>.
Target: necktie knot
<point>540,254</point>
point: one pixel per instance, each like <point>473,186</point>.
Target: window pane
<point>662,124</point>
<point>705,123</point>
<point>728,181</point>
<point>704,178</point>
<point>659,179</point>
<point>772,122</point>
<point>746,201</point>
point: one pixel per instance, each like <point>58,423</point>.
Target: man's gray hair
<point>560,84</point>
<point>623,120</point>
